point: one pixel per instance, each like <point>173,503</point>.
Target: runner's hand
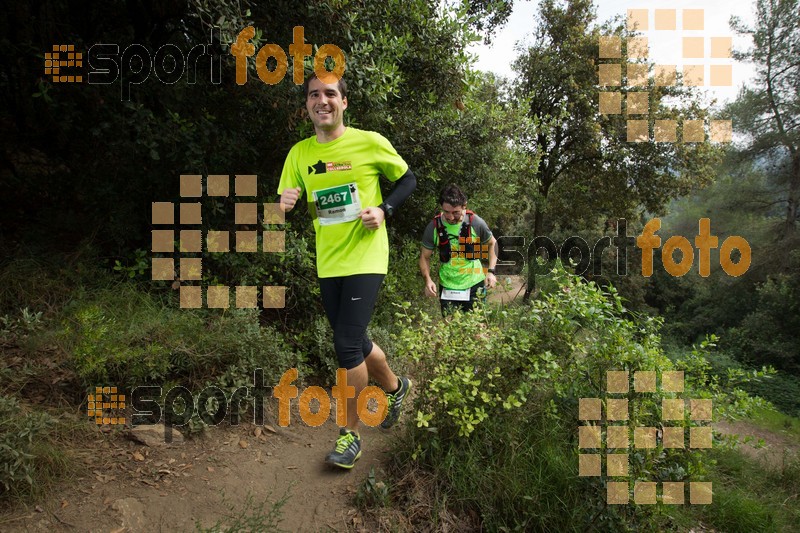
<point>372,217</point>
<point>491,280</point>
<point>430,289</point>
<point>289,198</point>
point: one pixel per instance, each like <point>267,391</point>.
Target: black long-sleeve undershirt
<point>402,189</point>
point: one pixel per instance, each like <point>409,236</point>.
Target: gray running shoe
<point>396,403</point>
<point>346,451</point>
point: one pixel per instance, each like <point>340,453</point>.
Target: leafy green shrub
<point>19,449</point>
<point>497,414</point>
<point>257,347</point>
<point>14,328</point>
<point>102,351</point>
<point>125,337</point>
<point>372,493</point>
<point>770,334</point>
<point>139,265</point>
<point>320,343</point>
<point>779,388</point>
<point>403,283</point>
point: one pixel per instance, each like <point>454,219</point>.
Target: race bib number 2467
<point>336,205</point>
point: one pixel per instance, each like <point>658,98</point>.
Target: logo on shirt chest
<point>321,167</point>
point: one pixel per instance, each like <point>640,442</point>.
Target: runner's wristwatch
<point>491,271</point>
<point>388,210</point>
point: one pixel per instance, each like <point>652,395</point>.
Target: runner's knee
<point>366,346</point>
<point>349,343</point>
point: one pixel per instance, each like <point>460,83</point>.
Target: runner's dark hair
<point>342,85</point>
<point>452,195</point>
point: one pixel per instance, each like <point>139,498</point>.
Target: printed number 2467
<point>333,198</point>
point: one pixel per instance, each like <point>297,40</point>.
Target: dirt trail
<point>129,487</point>
<point>778,448</point>
<point>509,288</point>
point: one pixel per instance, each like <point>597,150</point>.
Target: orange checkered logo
<point>626,78</point>
<point>190,241</point>
<point>61,58</point>
<point>618,432</point>
<point>106,406</point>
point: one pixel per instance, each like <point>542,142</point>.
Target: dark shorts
<point>349,302</point>
<point>477,293</point>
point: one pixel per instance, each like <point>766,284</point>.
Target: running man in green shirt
<point>338,172</point>
<point>462,239</point>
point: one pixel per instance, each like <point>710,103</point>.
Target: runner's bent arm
<point>425,269</point>
<point>402,189</point>
<point>491,279</point>
<point>373,217</point>
<point>291,184</point>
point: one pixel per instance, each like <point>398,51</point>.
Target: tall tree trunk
<point>538,223</point>
<point>793,203</point>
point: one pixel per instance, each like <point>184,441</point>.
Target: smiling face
<point>453,213</point>
<point>325,107</point>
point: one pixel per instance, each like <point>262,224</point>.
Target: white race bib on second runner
<point>337,205</point>
<point>454,295</point>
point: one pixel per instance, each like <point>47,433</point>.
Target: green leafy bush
<point>12,329</point>
<point>779,388</point>
<point>770,334</point>
<point>497,412</point>
<point>372,493</point>
<point>104,352</point>
<point>19,433</point>
<point>257,347</point>
<point>403,283</point>
<point>123,337</point>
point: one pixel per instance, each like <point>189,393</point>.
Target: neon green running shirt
<point>339,179</point>
<point>458,273</point>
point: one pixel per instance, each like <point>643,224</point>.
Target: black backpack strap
<point>465,237</point>
<point>444,238</point>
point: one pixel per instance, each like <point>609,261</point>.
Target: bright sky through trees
<point>665,46</point>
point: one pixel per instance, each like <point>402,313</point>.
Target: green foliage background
<point>80,165</point>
